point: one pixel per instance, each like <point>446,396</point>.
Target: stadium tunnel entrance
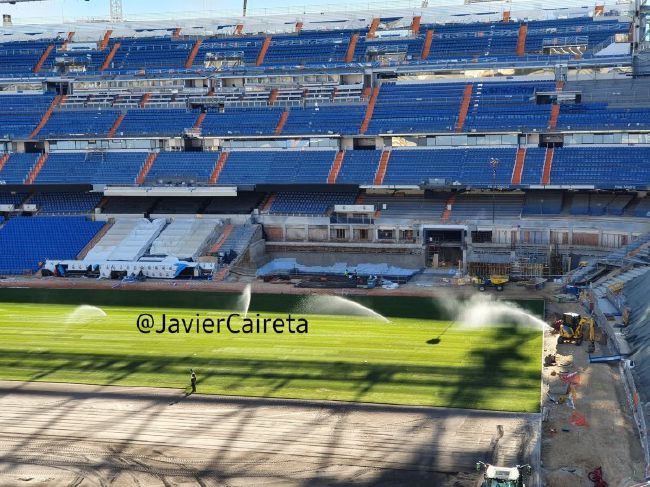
<point>445,246</point>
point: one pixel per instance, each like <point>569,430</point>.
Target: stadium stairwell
<point>68,40</point>
<point>46,116</point>
<point>199,120</point>
<point>521,40</point>
<point>381,169</point>
<point>33,174</point>
<point>349,54</point>
<point>222,239</point>
<point>336,167</point>
<point>218,167</point>
<point>548,165</point>
<point>239,29</point>
<point>555,113</point>
<point>415,25</point>
<point>273,96</point>
<point>464,107</point>
<point>177,33</point>
<point>110,56</point>
<point>505,17</point>
<point>146,167</point>
<point>116,125</point>
<point>519,166</point>
<point>298,27</point>
<point>369,110</point>
<point>81,255</point>
<point>43,58</point>
<point>189,62</point>
<point>283,120</point>
<point>262,54</point>
<point>3,161</point>
<point>448,207</point>
<point>426,47</point>
<point>267,203</point>
<point>107,37</point>
<point>372,32</point>
<point>144,100</point>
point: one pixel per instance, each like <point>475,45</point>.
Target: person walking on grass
<point>193,381</point>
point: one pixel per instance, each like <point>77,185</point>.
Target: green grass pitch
<point>407,361</point>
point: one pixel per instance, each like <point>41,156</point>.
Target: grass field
<point>408,361</point>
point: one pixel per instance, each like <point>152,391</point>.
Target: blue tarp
<point>290,266</point>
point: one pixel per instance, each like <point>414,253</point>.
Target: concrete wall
<point>413,261</point>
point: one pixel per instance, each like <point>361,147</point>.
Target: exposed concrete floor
<point>609,439</point>
<point>68,434</point>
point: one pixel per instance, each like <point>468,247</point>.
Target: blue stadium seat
<point>27,241</point>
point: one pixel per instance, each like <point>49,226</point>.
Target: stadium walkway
<point>70,434</point>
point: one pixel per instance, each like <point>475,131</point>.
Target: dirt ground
<point>609,439</point>
<point>67,434</point>
<point>234,284</point>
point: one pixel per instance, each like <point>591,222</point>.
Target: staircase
<point>426,47</point>
<point>283,119</point>
<point>521,40</point>
<point>415,25</point>
<point>262,54</point>
<point>555,113</point>
<point>381,169</point>
<point>239,29</point>
<point>46,116</point>
<point>273,96</point>
<point>464,107</point>
<point>349,54</point>
<point>298,27</point>
<point>267,203</point>
<point>116,125</point>
<point>81,255</point>
<point>189,62</point>
<point>336,167</point>
<point>33,174</point>
<point>448,207</point>
<point>144,100</point>
<point>519,166</point>
<point>199,120</point>
<point>218,167</point>
<point>110,56</point>
<point>107,37</point>
<point>373,28</point>
<point>222,239</point>
<point>548,165</point>
<point>369,110</point>
<point>505,16</point>
<point>43,58</point>
<point>68,40</point>
<point>146,167</point>
<point>3,161</point>
<point>177,33</point>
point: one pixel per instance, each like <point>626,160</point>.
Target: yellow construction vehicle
<point>575,328</point>
<point>498,282</point>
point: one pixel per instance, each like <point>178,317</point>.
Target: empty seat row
<point>28,241</point>
<point>318,203</point>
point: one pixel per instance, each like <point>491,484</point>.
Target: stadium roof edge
<point>452,11</point>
